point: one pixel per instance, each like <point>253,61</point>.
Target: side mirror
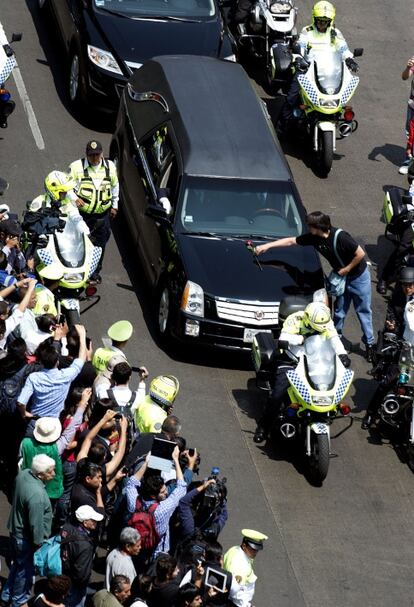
<point>358,52</point>
<point>157,212</point>
<point>16,37</point>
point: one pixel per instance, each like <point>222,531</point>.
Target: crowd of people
<point>81,471</point>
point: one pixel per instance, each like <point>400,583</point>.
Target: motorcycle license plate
<point>320,428</point>
<point>248,334</point>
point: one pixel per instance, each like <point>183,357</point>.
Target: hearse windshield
<point>159,8</point>
<point>229,207</point>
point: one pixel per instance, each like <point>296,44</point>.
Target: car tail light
<point>345,409</point>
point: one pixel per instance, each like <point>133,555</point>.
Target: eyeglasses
<point>322,20</point>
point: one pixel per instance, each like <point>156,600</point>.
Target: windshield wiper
<point>166,18</point>
<point>252,236</point>
<point>208,234</point>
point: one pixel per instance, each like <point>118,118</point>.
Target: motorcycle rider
<point>320,35</point>
<point>97,188</point>
<point>387,372</point>
<point>405,245</point>
<point>314,319</point>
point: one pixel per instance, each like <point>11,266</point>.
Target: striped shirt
<point>48,389</point>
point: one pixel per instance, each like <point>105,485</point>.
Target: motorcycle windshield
<point>320,360</point>
<point>70,243</point>
<point>328,67</point>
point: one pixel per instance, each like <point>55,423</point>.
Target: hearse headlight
<point>103,59</point>
<point>192,300</point>
<point>231,57</point>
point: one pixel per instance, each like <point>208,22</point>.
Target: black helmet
<point>407,275</point>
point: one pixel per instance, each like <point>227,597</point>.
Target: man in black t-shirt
<point>347,259</point>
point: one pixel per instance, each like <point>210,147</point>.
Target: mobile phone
<point>191,452</point>
<point>125,470</point>
<point>61,319</point>
<point>88,342</point>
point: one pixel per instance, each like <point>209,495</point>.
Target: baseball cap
<point>87,513</point>
<point>47,429</point>
<point>94,147</point>
<point>121,330</point>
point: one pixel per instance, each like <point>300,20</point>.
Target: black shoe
<point>260,435</point>
<point>96,278</point>
<point>367,421</point>
<point>370,353</point>
<point>382,287</point>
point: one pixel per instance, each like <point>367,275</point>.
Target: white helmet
<point>317,316</point>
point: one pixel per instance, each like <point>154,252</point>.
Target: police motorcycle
<point>398,215</point>
<point>326,87</point>
<point>314,398</point>
<point>269,34</point>
<point>7,64</point>
<point>65,257</point>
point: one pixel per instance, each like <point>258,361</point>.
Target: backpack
<point>10,389</point>
<point>126,409</point>
<point>143,521</point>
<point>47,559</point>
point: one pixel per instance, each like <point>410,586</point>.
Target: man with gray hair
<point>119,561</point>
<point>119,591</point>
<point>29,523</point>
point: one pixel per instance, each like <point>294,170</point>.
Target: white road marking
<point>28,108</point>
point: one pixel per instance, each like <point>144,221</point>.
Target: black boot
<point>260,434</point>
<point>368,420</point>
<point>370,353</point>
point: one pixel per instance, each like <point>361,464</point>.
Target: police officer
<point>238,560</point>
<point>119,333</point>
<point>319,35</point>
<point>154,408</point>
<point>97,188</point>
<point>316,318</point>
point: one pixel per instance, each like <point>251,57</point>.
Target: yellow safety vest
<point>149,416</point>
<point>102,356</point>
<point>98,199</point>
<point>240,566</point>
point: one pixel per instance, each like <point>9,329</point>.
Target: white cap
<point>87,513</point>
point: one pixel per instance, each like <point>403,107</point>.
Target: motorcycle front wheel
<point>72,317</point>
<point>319,457</point>
<point>325,152</point>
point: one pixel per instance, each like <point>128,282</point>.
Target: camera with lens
<point>216,493</point>
<point>184,461</point>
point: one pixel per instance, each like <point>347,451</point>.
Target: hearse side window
<point>161,162</point>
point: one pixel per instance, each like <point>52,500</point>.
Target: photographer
<point>207,513</point>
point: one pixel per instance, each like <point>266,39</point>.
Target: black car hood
<point>226,268</point>
<point>140,39</point>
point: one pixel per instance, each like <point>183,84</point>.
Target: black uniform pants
<point>393,264</point>
<point>278,395</point>
<point>100,228</point>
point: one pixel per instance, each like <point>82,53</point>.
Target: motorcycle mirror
<point>358,52</point>
<point>16,37</point>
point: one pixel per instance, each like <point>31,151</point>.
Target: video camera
<point>216,493</point>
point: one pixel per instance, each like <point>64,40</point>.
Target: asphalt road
<point>350,541</point>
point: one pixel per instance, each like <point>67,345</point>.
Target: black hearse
<point>202,174</point>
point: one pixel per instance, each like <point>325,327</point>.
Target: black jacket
<point>395,310</point>
<point>77,552</point>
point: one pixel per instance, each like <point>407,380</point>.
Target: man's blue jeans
<point>19,583</point>
<point>358,292</point>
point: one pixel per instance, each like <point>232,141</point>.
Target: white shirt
<point>118,563</point>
